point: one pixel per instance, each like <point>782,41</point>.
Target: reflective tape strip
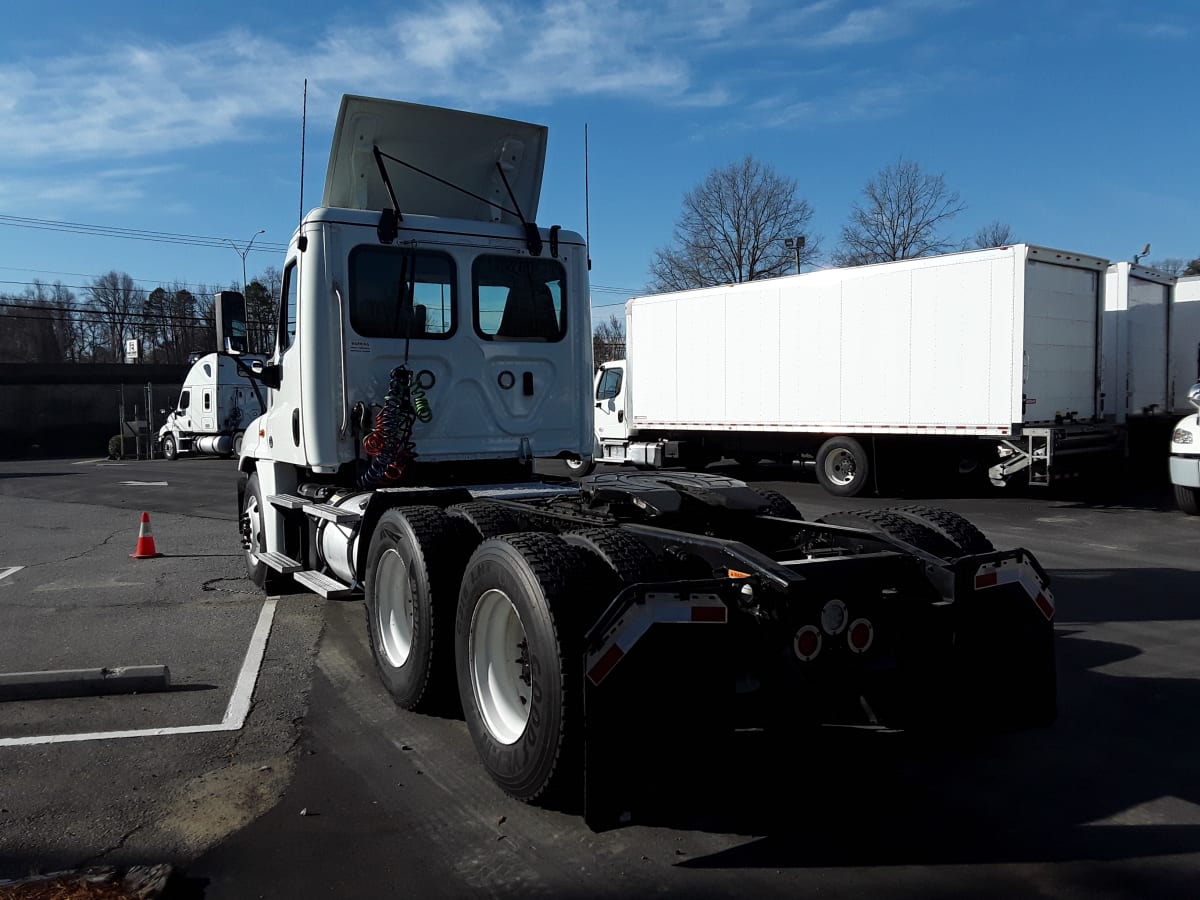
<point>1008,572</point>
<point>656,607</point>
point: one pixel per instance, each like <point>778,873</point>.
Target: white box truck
<point>215,405</point>
<point>986,358</point>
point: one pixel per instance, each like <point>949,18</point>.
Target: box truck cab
<point>215,405</point>
<point>1185,458</point>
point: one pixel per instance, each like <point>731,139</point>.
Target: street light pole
<point>797,244</point>
<point>243,253</point>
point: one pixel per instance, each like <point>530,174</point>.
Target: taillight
<point>860,635</point>
<point>807,643</point>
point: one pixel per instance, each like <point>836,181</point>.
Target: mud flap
<point>1004,654</point>
<point>657,701</point>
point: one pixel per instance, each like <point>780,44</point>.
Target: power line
<point>133,234</point>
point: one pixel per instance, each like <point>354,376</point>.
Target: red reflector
<point>807,643</point>
<point>605,664</point>
<point>985,581</point>
<point>709,614</point>
<point>860,635</point>
<point>1045,605</point>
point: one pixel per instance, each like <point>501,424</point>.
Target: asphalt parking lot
<point>274,710</point>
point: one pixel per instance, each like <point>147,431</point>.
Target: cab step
<point>287,501</point>
<point>280,562</point>
<point>329,588</point>
<point>326,511</point>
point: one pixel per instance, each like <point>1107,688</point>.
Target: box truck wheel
<point>843,467</point>
<point>1188,499</point>
<point>414,564</point>
<point>170,450</point>
<point>517,642</point>
<point>254,538</point>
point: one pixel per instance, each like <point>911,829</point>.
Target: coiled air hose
<point>389,443</point>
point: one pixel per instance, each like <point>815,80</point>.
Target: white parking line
<point>235,712</point>
<point>145,483</point>
<point>84,462</point>
<point>4,573</point>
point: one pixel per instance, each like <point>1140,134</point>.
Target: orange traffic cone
<point>145,544</point>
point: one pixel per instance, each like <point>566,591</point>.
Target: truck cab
<point>215,404</point>
<point>1185,457</point>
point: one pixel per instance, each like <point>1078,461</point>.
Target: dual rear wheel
<point>459,612</point>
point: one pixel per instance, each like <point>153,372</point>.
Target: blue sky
<point>1075,123</point>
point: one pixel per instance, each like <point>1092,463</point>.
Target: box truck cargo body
<point>1138,326</point>
<point>988,358</point>
<point>1185,342</point>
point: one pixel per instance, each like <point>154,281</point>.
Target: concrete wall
<point>72,410</point>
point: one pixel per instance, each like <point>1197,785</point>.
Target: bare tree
<point>732,229</point>
<point>994,234</point>
<point>1172,265</point>
<point>608,340</point>
<point>1193,267</point>
<point>116,303</point>
<point>902,217</point>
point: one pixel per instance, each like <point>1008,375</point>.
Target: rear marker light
<point>834,617</point>
<point>860,636</point>
<point>807,643</point>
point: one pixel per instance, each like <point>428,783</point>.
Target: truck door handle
<point>296,427</point>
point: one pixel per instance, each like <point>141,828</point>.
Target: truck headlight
<point>1182,436</point>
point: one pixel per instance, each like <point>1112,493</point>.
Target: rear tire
<point>843,467</point>
<point>896,526</point>
<point>486,519</point>
<point>518,642</point>
<point>778,505</point>
<point>1188,499</point>
<point>620,553</point>
<point>950,525</point>
<point>413,569</point>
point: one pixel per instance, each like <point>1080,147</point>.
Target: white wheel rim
<point>500,675</point>
<point>394,608</point>
<point>254,519</point>
<point>840,467</point>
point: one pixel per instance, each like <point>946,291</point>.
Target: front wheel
<point>1188,499</point>
<point>237,443</point>
<point>517,644</point>
<point>843,467</point>
<point>577,467</point>
<point>254,538</point>
<point>170,450</point>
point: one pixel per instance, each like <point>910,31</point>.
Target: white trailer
<point>1138,328</point>
<point>1185,342</point>
<point>987,358</point>
<point>216,403</point>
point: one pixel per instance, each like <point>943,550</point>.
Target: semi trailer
<point>985,360</point>
<point>441,343</point>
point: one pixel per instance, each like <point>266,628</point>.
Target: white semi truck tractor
<point>433,341</point>
<point>215,404</point>
<point>1185,457</point>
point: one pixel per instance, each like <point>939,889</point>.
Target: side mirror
<point>1193,395</point>
<point>229,309</point>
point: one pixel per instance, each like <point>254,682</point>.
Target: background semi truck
<point>982,360</point>
<point>215,405</point>
<point>432,341</point>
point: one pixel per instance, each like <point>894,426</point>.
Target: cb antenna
<point>587,221</point>
<point>303,128</point>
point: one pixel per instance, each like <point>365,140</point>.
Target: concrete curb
<point>83,682</point>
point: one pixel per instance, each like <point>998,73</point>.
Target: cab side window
<point>288,293</point>
<point>184,399</point>
<point>610,384</point>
